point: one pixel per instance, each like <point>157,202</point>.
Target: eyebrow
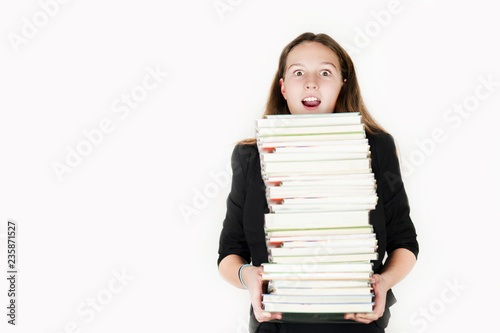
<point>323,63</point>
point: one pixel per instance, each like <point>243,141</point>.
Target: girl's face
<point>312,79</point>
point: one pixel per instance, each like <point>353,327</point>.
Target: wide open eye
<point>325,72</point>
<point>298,73</point>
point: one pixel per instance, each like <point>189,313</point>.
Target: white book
<point>318,251</point>
<point>326,156</point>
<point>322,291</point>
<point>281,192</point>
<point>318,276</point>
<point>276,284</point>
<point>287,130</point>
<point>319,232</point>
<point>327,238</point>
<point>324,258</point>
<point>362,181</point>
<point>303,120</point>
<point>359,199</point>
<point>350,166</point>
<point>341,219</point>
<point>333,178</point>
<point>310,137</point>
<point>313,115</point>
<point>323,207</point>
<point>317,268</point>
<point>317,298</point>
<point>318,308</point>
<point>305,173</point>
<point>274,146</point>
<point>348,243</point>
<point>269,146</point>
<point>337,147</point>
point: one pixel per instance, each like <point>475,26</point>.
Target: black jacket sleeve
<point>399,226</point>
<point>232,238</point>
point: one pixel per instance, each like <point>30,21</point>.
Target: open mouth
<point>311,102</point>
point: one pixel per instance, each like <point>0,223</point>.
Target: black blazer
<point>243,227</point>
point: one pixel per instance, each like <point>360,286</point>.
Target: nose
<point>311,84</point>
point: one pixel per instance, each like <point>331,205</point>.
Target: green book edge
<point>273,230</point>
<point>313,318</point>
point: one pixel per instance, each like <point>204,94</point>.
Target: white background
<point>119,209</point>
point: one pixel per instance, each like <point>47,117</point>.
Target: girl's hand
<point>252,276</point>
<point>380,288</point>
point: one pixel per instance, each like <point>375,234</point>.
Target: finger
<point>261,315</point>
<point>349,316</point>
<point>362,318</point>
<point>375,278</point>
<point>354,316</point>
<point>368,316</point>
<point>270,315</point>
<point>364,321</point>
<point>371,316</point>
<point>276,315</point>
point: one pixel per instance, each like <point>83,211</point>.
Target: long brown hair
<point>349,99</point>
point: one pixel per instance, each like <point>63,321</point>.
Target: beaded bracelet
<point>239,274</point>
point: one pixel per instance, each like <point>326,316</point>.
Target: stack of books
<point>320,189</point>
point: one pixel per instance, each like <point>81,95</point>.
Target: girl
<point>316,75</point>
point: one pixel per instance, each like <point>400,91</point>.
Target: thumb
<point>375,278</point>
